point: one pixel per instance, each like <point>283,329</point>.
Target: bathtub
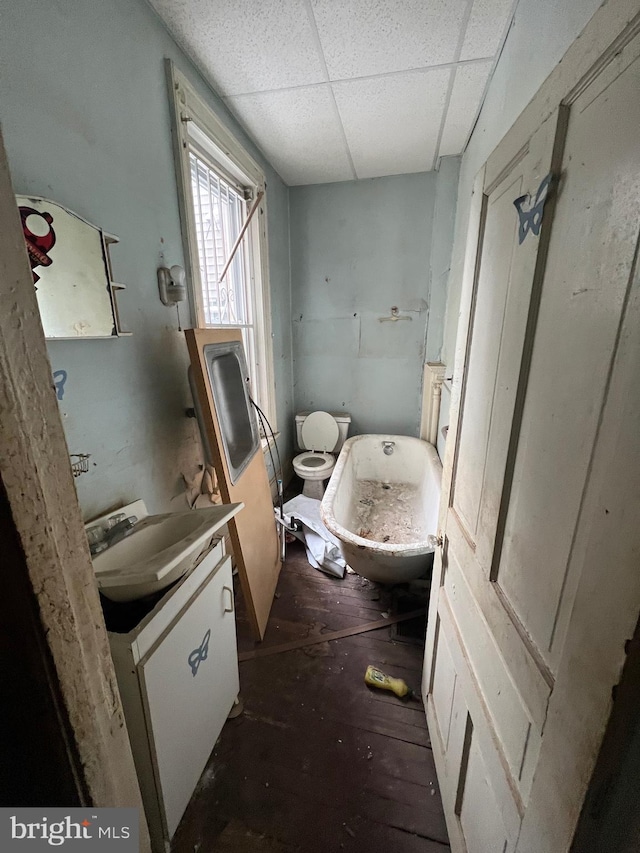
<point>384,508</point>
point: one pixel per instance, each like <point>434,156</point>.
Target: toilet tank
<point>341,418</point>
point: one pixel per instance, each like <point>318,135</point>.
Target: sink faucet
<point>100,538</point>
<point>387,447</point>
<point>119,530</point>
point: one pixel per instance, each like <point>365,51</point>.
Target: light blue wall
<point>444,219</point>
<point>85,117</point>
<point>541,33</point>
<point>357,248</point>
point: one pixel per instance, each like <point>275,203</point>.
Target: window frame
<point>194,122</point>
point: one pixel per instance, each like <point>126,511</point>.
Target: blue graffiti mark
<point>198,655</point>
<point>59,379</point>
<point>530,210</point>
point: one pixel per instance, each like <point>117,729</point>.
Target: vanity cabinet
<point>177,671</point>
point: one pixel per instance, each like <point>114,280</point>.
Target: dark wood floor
<point>318,761</point>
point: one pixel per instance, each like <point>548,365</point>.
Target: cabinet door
<point>189,682</point>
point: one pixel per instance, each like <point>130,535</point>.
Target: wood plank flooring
<point>318,761</point>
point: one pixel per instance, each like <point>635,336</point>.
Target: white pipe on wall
<point>433,378</point>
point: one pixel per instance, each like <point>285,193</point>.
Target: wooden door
<point>536,585</point>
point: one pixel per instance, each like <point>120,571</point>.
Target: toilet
<point>320,435</point>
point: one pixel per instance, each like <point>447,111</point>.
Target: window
<point>219,187</point>
<point>219,211</point>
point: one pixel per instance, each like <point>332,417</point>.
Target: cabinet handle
<point>230,591</point>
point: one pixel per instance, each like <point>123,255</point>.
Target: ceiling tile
<point>244,45</point>
<point>299,132</point>
<point>392,123</point>
<point>468,89</point>
<point>485,28</point>
<point>367,37</point>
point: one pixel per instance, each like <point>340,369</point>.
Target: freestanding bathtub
<point>382,504</point>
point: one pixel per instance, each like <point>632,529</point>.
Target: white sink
<point>158,551</point>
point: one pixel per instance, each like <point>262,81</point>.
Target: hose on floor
<point>264,423</point>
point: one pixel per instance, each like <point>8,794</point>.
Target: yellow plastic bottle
<point>375,678</point>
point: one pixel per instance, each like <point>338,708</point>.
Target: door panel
<point>509,715</point>
<point>533,680</point>
<point>516,706</point>
<point>479,815</point>
<point>580,314</point>
<point>505,291</point>
<point>484,355</point>
<point>469,719</point>
<point>443,691</point>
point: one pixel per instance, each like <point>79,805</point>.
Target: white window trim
<point>186,105</point>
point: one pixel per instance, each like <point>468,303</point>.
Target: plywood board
<point>253,532</point>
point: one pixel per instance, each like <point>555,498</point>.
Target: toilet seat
<point>312,465</point>
<point>319,434</point>
<point>320,431</point>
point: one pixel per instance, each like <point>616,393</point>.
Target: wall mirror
<point>71,270</point>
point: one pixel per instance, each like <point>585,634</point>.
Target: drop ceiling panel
<point>392,123</point>
<point>367,37</point>
<point>466,96</point>
<point>299,132</point>
<point>324,86</point>
<point>245,45</point>
<point>485,28</point>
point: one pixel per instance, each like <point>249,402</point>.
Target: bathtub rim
<point>408,549</point>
